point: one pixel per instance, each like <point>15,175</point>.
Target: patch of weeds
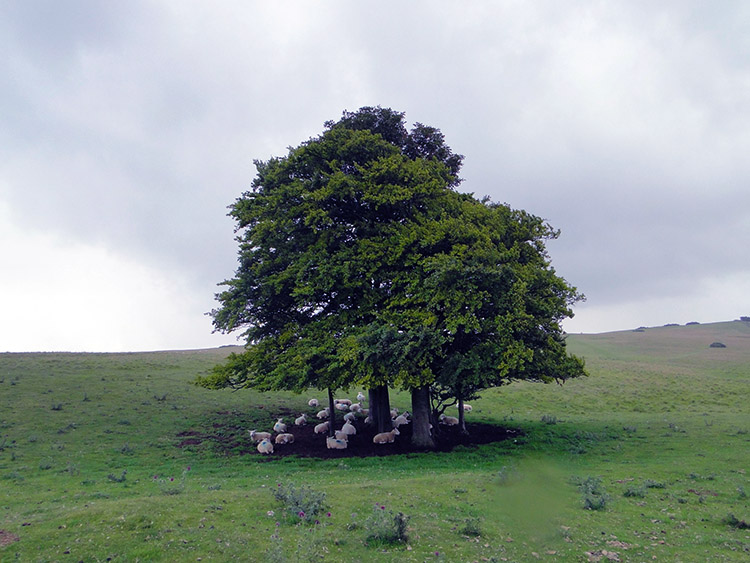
<point>651,484</point>
<point>56,407</point>
<point>386,527</point>
<point>741,492</point>
<point>635,491</point>
<point>549,419</point>
<point>300,503</point>
<point>72,469</point>
<point>630,429</point>
<point>45,464</point>
<point>86,398</point>
<point>593,495</point>
<point>734,522</point>
<point>121,479</point>
<point>123,422</point>
<point>472,526</point>
<point>353,524</point>
<point>742,431</point>
<point>216,487</point>
<point>126,449</point>
<point>99,495</point>
<point>13,476</point>
<point>170,485</point>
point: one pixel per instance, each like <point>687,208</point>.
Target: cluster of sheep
<point>340,439</point>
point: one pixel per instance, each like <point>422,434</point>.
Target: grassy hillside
<point>95,451</point>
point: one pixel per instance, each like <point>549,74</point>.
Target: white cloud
<point>61,294</point>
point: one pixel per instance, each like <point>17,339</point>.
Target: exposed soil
<point>7,538</point>
<point>228,438</point>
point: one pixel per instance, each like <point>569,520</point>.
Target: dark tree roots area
<point>228,438</point>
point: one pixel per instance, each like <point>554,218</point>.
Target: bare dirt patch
<point>6,538</point>
<point>226,437</point>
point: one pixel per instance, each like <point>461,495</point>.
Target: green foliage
<point>386,527</point>
<point>300,504</point>
<point>593,495</point>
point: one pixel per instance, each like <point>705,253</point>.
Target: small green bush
<point>593,495</point>
<point>383,526</point>
<point>472,527</point>
<point>300,503</point>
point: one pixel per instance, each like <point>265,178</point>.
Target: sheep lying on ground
<point>346,402</point>
<point>355,407</point>
<point>325,413</point>
<point>341,435</point>
<point>386,437</point>
<point>401,419</point>
<point>258,436</point>
<point>284,438</point>
<point>321,428</point>
<point>265,447</point>
<point>313,402</point>
<point>300,420</point>
<point>336,444</point>
<point>350,417</point>
<point>349,429</point>
<point>448,420</point>
<point>341,406</point>
<point>279,427</point>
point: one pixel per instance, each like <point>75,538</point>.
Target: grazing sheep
<point>467,408</point>
<point>258,436</point>
<point>265,447</point>
<point>355,407</point>
<point>448,420</point>
<point>336,444</point>
<point>300,420</point>
<point>350,417</point>
<point>284,438</point>
<point>341,435</point>
<point>313,402</point>
<point>322,428</point>
<point>360,396</point>
<point>279,427</point>
<point>325,413</point>
<point>346,402</point>
<point>386,437</point>
<point>348,427</point>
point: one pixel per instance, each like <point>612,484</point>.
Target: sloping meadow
<point>107,456</point>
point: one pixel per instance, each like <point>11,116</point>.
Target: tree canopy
<point>360,262</point>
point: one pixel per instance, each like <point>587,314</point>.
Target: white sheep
<point>348,427</point>
<point>401,419</point>
<point>301,420</point>
<point>355,407</point>
<point>284,438</point>
<point>360,396</point>
<point>313,402</point>
<point>279,427</point>
<point>368,419</point>
<point>467,408</point>
<point>336,444</point>
<point>386,437</point>
<point>265,447</point>
<point>258,436</point>
<point>341,407</point>
<point>341,435</point>
<point>448,420</point>
<point>346,402</point>
<point>325,413</point>
<point>394,412</point>
<point>322,428</point>
<point>350,417</point>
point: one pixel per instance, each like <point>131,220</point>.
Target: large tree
<point>317,234</point>
<point>359,262</point>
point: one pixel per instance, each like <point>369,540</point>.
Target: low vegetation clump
<point>300,504</point>
<point>593,495</point>
<point>386,527</point>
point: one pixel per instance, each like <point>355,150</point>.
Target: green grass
<point>662,428</point>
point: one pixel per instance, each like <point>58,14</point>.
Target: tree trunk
<point>421,436</point>
<point>332,416</point>
<point>461,417</point>
<point>380,408</point>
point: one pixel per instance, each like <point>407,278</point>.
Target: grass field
<point>656,443</point>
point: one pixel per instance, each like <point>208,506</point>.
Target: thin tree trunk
<point>421,436</point>
<point>461,417</point>
<point>332,416</point>
<point>380,408</point>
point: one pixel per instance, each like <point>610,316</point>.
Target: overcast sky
<point>127,128</point>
